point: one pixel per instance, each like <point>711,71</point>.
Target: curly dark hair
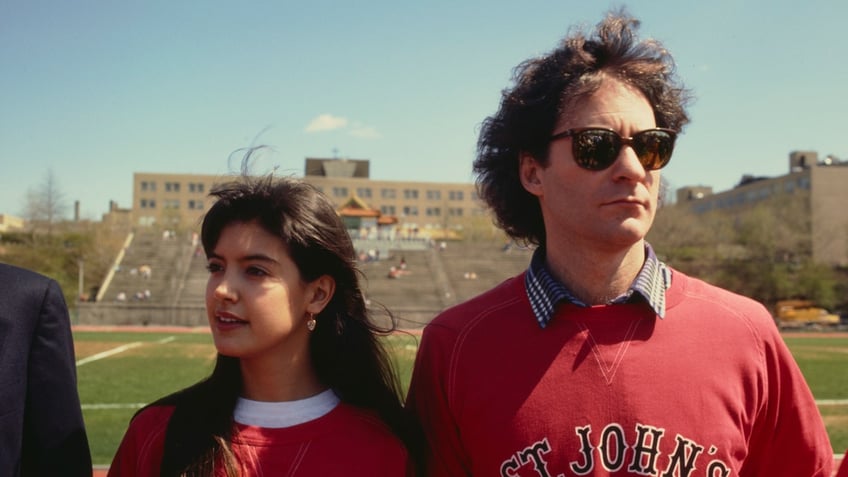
<point>544,88</point>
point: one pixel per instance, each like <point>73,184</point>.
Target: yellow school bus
<point>800,313</point>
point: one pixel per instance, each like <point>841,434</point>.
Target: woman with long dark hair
<point>302,386</point>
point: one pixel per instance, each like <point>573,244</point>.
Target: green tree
<point>762,251</point>
<point>61,256</point>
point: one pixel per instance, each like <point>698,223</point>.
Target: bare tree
<point>46,204</point>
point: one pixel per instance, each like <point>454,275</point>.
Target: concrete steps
<point>434,279</point>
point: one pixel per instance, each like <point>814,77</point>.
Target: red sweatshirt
<point>843,468</point>
<point>710,390</point>
<point>345,442</point>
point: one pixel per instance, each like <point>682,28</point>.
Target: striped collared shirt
<point>545,292</point>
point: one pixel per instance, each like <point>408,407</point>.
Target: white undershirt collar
<point>284,414</point>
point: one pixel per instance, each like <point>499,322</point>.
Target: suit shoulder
<point>26,291</point>
<point>21,275</point>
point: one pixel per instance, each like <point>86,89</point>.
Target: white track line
<point>107,353</point>
<point>831,402</point>
<point>99,407</point>
<point>120,349</point>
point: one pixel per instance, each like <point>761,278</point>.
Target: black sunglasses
<point>596,149</point>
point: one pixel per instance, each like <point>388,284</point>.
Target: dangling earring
<point>310,323</point>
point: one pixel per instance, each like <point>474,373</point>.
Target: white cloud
<point>326,122</point>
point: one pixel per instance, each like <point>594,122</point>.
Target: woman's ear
<point>528,172</point>
<point>319,293</point>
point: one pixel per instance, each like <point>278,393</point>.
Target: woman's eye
<point>256,271</point>
<point>214,267</point>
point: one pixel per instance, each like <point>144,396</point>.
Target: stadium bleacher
<point>434,278</point>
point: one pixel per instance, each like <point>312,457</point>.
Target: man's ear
<point>320,292</point>
<point>528,172</point>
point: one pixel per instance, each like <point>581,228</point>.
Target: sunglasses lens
<point>654,148</point>
<point>595,149</point>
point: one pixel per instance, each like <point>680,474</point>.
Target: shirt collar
<point>545,292</point>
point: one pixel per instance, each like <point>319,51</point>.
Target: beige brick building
<point>822,184</point>
<point>9,223</point>
<point>180,200</point>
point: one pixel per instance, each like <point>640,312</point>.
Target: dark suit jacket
<point>41,426</point>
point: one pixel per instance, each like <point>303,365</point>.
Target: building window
<point>456,195</point>
<point>387,209</point>
<point>148,203</point>
<point>388,193</point>
<point>364,192</point>
<point>455,212</point>
<point>148,186</point>
<point>339,191</point>
<point>410,193</point>
<point>433,212</point>
<point>172,187</point>
<point>195,187</point>
<point>146,220</point>
<point>410,210</point>
<point>172,204</point>
<point>195,204</point>
<point>434,195</point>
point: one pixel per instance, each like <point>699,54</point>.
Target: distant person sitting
<point>41,425</point>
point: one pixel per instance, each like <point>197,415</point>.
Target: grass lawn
<point>154,364</point>
<point>824,362</point>
<point>113,388</point>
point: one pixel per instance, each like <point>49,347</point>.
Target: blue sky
<point>97,90</point>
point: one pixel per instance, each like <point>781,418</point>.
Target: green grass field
<point>152,364</point>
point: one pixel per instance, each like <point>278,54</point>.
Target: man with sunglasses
<point>600,359</point>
